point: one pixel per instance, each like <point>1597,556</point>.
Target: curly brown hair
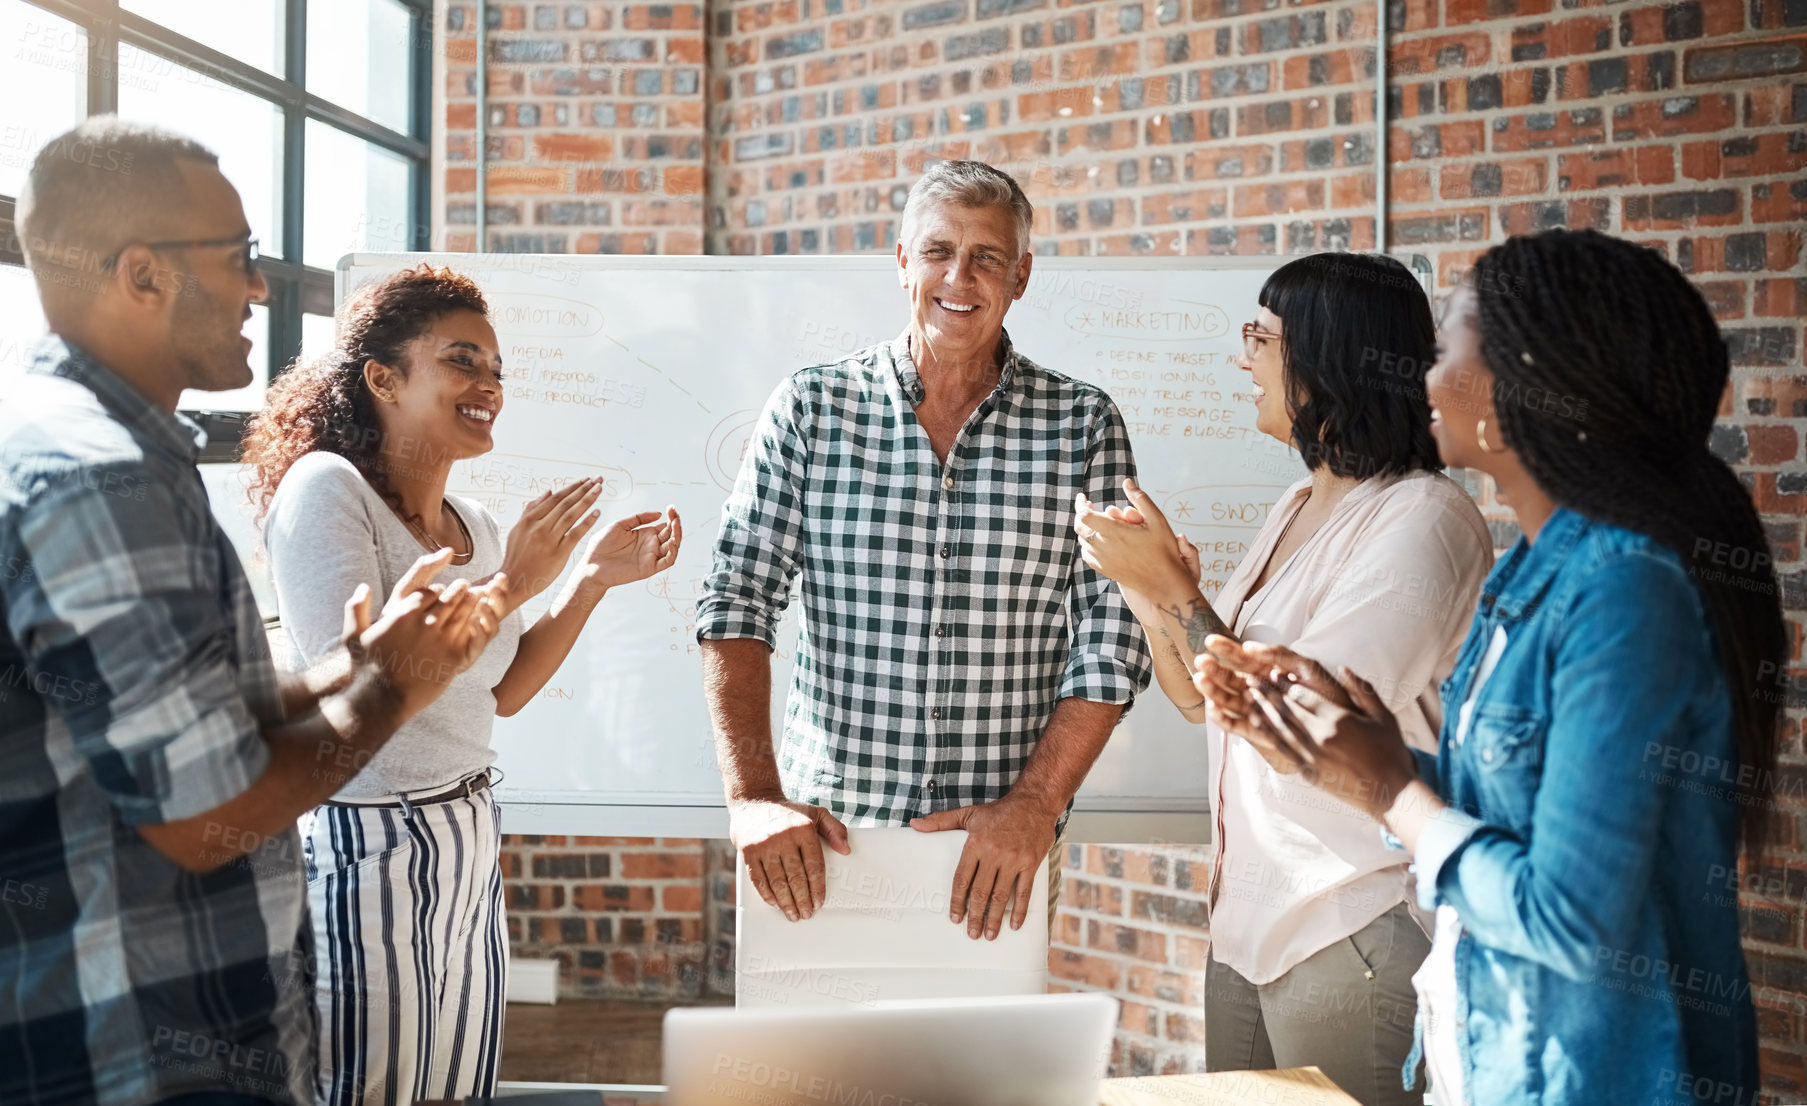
<point>324,404</point>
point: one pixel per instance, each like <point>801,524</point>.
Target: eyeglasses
<point>247,248</point>
<point>1253,336</point>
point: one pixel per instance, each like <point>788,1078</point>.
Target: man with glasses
<point>153,937</point>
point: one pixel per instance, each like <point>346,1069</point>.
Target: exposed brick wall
<point>623,916</point>
<point>1132,922</point>
<point>1164,127</point>
<point>595,129</point>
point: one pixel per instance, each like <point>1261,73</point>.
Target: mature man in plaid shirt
<point>960,666</point>
<point>154,946</point>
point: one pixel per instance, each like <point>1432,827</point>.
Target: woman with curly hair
<point>352,453</point>
<point>1610,729</point>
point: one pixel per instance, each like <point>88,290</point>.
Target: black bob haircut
<point>1358,339</point>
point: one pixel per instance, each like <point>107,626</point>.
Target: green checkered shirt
<point>946,609</point>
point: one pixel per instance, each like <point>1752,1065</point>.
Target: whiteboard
<point>651,372</point>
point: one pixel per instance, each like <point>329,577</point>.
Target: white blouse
<point>1387,586</point>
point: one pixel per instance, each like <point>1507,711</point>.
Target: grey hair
<point>969,184</point>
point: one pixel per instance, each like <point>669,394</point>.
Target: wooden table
<point>1292,1087</point>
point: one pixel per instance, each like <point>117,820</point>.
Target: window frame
<point>295,288</point>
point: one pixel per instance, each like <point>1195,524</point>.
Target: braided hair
<point>324,404</point>
<point>1575,324</point>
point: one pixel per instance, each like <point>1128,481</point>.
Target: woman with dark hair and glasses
<point>1611,723</point>
<point>1374,559</point>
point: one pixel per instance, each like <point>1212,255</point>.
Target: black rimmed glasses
<point>1253,336</point>
<point>247,246</point>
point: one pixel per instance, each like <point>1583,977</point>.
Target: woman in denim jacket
<point>1611,716</point>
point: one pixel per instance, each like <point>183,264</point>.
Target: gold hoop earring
<point>1480,437</point>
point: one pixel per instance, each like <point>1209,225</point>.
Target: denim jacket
<point>1591,844</point>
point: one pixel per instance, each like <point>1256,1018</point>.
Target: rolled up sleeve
<point>758,551</point>
<point>127,639</point>
<point>1109,660</point>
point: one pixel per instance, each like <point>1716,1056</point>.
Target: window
<point>317,108</point>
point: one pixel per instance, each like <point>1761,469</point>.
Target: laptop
<point>1024,1050</point>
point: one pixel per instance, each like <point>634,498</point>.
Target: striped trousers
<point>411,948</point>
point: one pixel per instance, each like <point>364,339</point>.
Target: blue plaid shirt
<point>134,678</point>
<point>946,609</point>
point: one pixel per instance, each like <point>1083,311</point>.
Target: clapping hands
<point>1335,731</point>
<point>632,549</point>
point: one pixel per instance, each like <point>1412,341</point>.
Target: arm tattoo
<point>1196,617</point>
<point>1174,651</point>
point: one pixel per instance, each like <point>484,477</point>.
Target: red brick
<point>1725,297</point>
<point>1098,62</point>
<point>1195,205</point>
<point>1615,168</point>
<point>1772,445</point>
<point>1010,148</point>
<point>1781,299</point>
<point>1453,265</point>
<point>1769,501</point>
<point>1413,57</point>
<point>1190,953</point>
<point>1515,177</point>
<point>1784,396</point>
<point>1664,23</point>
<point>1674,116</point>
<point>1406,186</point>
<point>661,17</point>
<point>1338,67</point>
<point>682,900</point>
<point>1708,207</point>
<point>1349,190</point>
<point>1121,940</point>
<point>1167,986</point>
<point>687,865</point>
<point>1746,60</point>
<point>1254,200</point>
<point>1759,155</point>
<point>506,179</point>
<point>1119,134</point>
<point>1769,106</point>
<point>1615,74</point>
<point>1098,898</point>
<point>1776,251</point>
<point>612,897</point>
<point>1460,138</point>
<point>1095,971</point>
<point>1458,12</point>
<point>1136,1017</point>
<point>1582,126</point>
<point>1218,160</point>
<point>1185,1028</point>
<point>1588,34</point>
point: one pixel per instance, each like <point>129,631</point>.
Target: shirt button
<point>948,482</point>
<point>946,552</point>
<point>941,631</point>
<point>935,714</point>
